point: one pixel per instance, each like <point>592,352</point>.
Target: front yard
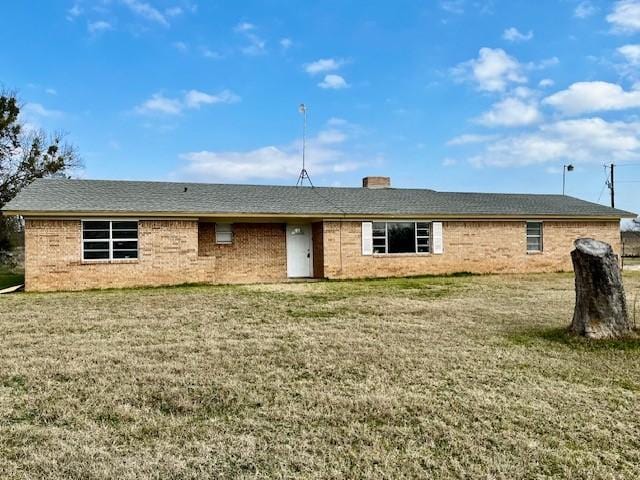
<point>452,377</point>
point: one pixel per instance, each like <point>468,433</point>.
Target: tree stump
<point>601,308</point>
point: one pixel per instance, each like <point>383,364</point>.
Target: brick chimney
<point>376,182</point>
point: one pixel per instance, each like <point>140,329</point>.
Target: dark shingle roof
<point>105,196</point>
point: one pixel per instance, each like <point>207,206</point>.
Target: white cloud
<point>492,71</point>
<point>244,27</point>
<point>584,97</point>
<point>208,53</point>
<point>193,99</point>
<point>39,110</point>
<point>511,112</point>
<point>331,136</point>
<point>256,45</point>
<point>99,26</point>
<point>334,82</point>
<point>546,82</point>
<point>146,11</point>
<point>173,11</point>
<point>337,122</point>
<point>181,46</point>
<point>514,35</point>
<point>158,103</point>
<point>453,6</point>
<point>631,53</point>
<point>542,64</point>
<point>584,9</point>
<point>286,43</point>
<point>325,154</point>
<point>587,140</point>
<point>323,65</point>
<point>449,162</point>
<point>74,12</point>
<point>471,138</point>
<point>625,16</point>
<point>51,91</point>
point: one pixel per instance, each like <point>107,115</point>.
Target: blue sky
<point>459,95</point>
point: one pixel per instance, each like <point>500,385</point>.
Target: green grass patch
<point>10,278</point>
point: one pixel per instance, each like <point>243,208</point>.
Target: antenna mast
<point>303,173</point>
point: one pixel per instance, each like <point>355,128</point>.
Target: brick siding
<point>478,247</point>
<point>184,251</point>
<point>170,253</point>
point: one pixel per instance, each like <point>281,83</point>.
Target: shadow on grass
<point>10,279</point>
<point>562,336</point>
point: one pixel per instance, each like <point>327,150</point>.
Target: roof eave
<point>317,215</point>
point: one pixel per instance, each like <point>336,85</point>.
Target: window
<point>224,233</point>
<point>534,236</point>
<point>109,240</point>
<point>401,237</point>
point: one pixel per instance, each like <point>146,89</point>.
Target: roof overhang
<point>309,216</point>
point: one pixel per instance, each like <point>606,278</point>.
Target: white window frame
<point>540,237</point>
<point>416,236</point>
<point>110,240</point>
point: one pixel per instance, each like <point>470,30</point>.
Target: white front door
<point>299,250</point>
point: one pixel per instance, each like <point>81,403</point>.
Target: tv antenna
<point>303,173</point>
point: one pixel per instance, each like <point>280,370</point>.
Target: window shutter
<point>438,243</point>
<point>367,238</point>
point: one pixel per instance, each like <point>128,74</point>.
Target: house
<point>82,234</point>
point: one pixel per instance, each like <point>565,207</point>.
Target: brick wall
<point>258,254</point>
<point>175,252</point>
<point>479,247</point>
<point>170,252</point>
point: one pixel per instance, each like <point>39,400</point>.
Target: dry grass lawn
<point>458,377</point>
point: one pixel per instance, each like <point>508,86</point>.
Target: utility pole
<point>611,184</point>
<point>565,169</point>
<point>613,194</point>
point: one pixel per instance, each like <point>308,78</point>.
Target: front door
<point>299,251</point>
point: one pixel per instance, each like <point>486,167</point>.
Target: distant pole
<point>303,110</point>
<point>303,173</point>
<point>612,187</point>
<point>565,169</point>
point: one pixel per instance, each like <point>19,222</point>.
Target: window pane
<point>125,234</point>
<point>533,244</point>
<point>96,255</point>
<point>379,229</point>
<point>96,246</point>
<point>120,245</point>
<point>380,249</point>
<point>89,235</point>
<point>120,254</point>
<point>95,225</point>
<point>402,238</point>
<point>125,225</point>
<point>534,228</point>
<point>224,237</point>
<point>423,245</point>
